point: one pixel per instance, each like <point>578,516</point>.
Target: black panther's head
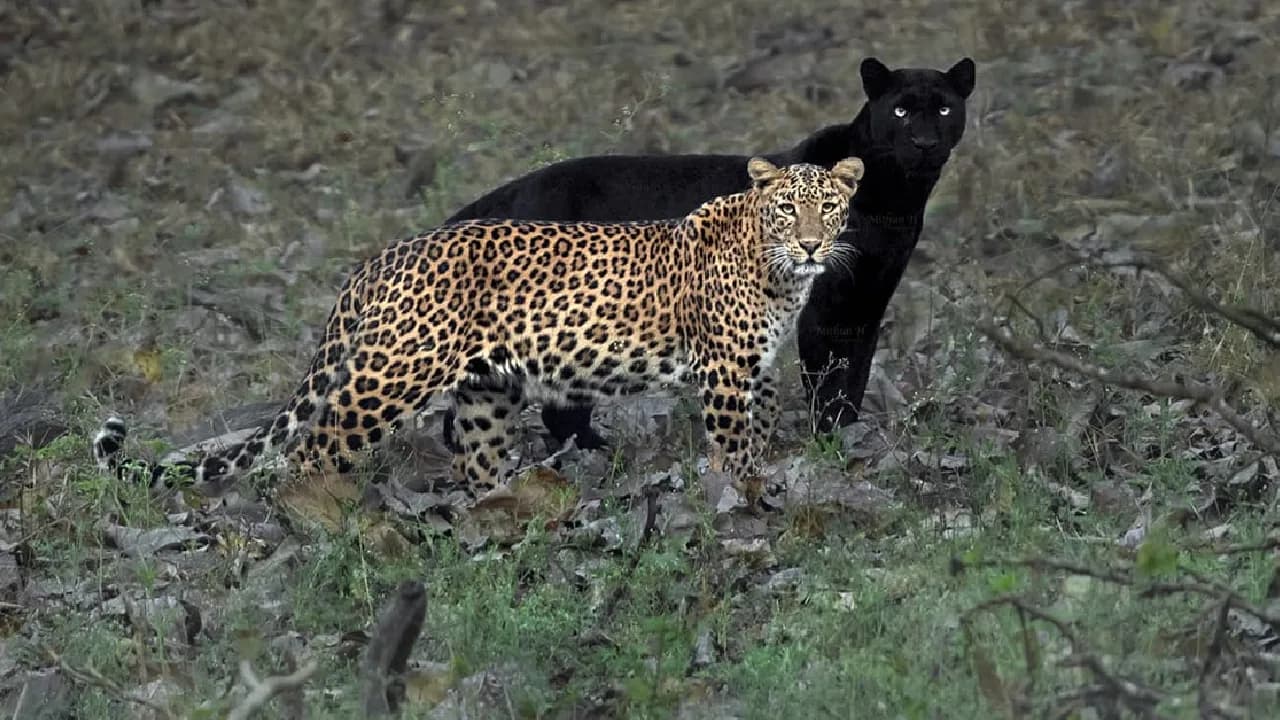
<point>917,114</point>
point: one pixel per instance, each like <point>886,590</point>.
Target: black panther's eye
<point>828,207</point>
<point>786,208</point>
<point>944,110</point>
<point>900,112</point>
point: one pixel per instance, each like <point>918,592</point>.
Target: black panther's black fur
<point>902,136</point>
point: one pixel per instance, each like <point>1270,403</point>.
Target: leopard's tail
<point>328,372</point>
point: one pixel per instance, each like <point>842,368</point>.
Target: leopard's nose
<point>809,246</point>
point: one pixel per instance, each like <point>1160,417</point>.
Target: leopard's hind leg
<point>485,413</point>
<point>383,389</point>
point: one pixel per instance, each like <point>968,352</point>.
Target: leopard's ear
<point>848,172</point>
<point>762,171</point>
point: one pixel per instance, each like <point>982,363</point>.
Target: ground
<point>183,186</point>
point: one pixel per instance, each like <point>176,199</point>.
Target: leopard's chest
<point>781,314</point>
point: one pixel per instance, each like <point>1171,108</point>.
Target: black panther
<point>904,134</point>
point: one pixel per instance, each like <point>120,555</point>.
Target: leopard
<point>496,313</point>
<point>906,131</point>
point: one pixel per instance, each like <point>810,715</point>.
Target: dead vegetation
<point>1073,405</point>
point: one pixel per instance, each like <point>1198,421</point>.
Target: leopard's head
<point>803,208</point>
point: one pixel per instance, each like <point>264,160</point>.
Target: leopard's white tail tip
<point>108,441</point>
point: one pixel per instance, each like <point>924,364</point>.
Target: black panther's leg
<point>835,376</point>
<point>840,325</point>
<point>836,345</point>
<point>563,422</point>
<point>447,433</point>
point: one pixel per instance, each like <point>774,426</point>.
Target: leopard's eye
<point>900,112</point>
<point>944,110</point>
<point>828,207</point>
<point>786,208</point>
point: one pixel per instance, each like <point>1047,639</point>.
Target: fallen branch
<point>261,691</point>
<point>1271,543</point>
<point>88,675</point>
<point>387,655</point>
<point>549,461</point>
<point>1140,700</point>
<point>1216,645</point>
<point>1264,328</point>
<point>646,536</point>
<point>1124,576</point>
<point>1198,393</point>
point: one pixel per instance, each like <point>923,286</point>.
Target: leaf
<point>429,685</point>
<point>1003,582</point>
<point>150,364</point>
<point>501,516</point>
<point>638,689</point>
<point>989,683</point>
<point>323,499</point>
<point>1031,651</point>
<point>1156,558</point>
<point>542,492</point>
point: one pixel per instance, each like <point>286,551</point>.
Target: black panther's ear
<point>962,76</point>
<point>762,171</point>
<point>876,78</point>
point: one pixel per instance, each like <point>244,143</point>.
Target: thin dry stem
<point>1199,393</point>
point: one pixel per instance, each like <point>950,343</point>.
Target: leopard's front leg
<point>766,411</point>
<point>727,412</point>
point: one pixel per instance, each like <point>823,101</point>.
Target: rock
<point>704,651</point>
<point>730,499</point>
<point>153,89</point>
<point>1194,76</point>
<point>247,200</point>
<point>783,581</point>
<point>28,414</point>
<point>10,577</point>
<point>160,692</point>
<point>1109,174</point>
<point>251,415</point>
<point>45,695</point>
<point>20,208</point>
<point>775,69</point>
<point>810,484</point>
<point>8,659</point>
<point>219,124</point>
<point>108,209</point>
<point>138,542</point>
<point>755,551</point>
<point>485,694</point>
<point>123,144</point>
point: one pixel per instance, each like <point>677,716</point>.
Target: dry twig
<point>1262,327</point>
<point>88,675</point>
<point>388,652</point>
<point>1255,321</point>
<point>261,691</point>
<point>1124,576</point>
<point>646,536</point>
<point>1196,392</point>
<point>1140,700</point>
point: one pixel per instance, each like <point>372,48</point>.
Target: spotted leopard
<point>498,313</point>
